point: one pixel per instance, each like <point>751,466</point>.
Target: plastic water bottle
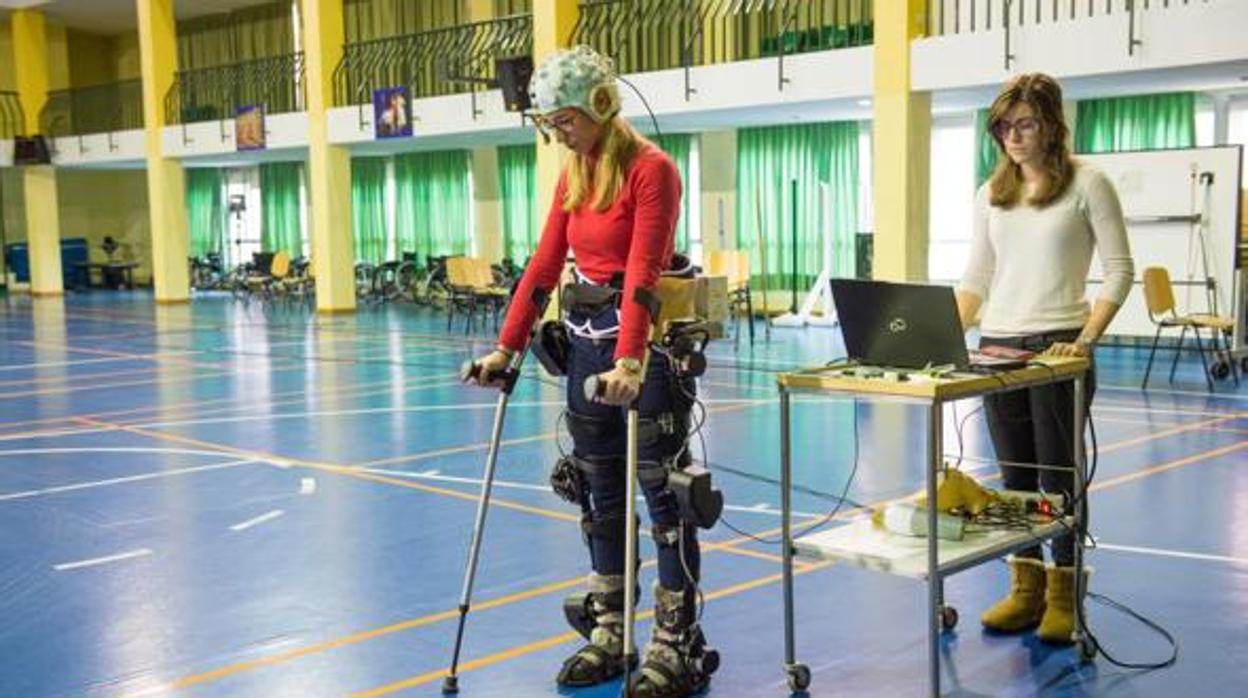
<point>910,520</point>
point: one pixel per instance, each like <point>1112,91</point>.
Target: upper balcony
<point>11,118</point>
<point>689,57</point>
<point>1097,48</point>
<point>95,124</point>
<point>201,104</point>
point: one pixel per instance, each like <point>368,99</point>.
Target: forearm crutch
<point>469,371</point>
<point>593,392</point>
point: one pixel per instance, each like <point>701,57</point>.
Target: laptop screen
<point>899,325</point>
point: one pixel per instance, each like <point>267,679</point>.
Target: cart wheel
<point>1087,649</point>
<point>1220,370</point>
<point>948,618</point>
<point>799,677</point>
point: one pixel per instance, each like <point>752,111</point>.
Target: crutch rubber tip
<point>450,685</point>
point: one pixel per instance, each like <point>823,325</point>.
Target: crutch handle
<point>470,371</point>
<point>594,388</point>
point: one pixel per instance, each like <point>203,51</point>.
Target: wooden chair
<point>272,284</point>
<point>472,288</point>
<point>1159,297</point>
<point>735,265</point>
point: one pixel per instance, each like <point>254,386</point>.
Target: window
<point>242,197</point>
<point>694,214</point>
<point>1237,133</point>
<point>951,197</point>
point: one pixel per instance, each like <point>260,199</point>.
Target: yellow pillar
<point>487,201</point>
<point>43,220</point>
<point>902,145</point>
<point>166,179</point>
<point>552,29</point>
<point>329,166</point>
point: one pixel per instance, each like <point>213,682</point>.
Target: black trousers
<point>1036,426</point>
<point>599,434</point>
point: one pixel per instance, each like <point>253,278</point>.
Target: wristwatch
<point>629,365</point>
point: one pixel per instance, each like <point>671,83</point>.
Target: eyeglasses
<point>1025,126</point>
<point>548,125</point>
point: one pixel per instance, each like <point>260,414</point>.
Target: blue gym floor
<point>229,500</point>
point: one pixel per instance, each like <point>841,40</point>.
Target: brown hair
<point>1044,96</point>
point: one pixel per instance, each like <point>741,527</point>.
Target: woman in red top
<point>615,208</point>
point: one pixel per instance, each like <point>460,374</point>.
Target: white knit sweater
<point>1030,265</point>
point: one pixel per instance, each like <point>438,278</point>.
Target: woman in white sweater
<point>1037,222</point>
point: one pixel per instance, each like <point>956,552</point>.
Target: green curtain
<point>279,207</point>
<point>434,202</point>
<point>986,150</point>
<point>1136,123</point>
<point>207,213</point>
<point>769,159</point>
<point>677,146</point>
<point>517,185</point>
<point>245,34</point>
<point>368,208</point>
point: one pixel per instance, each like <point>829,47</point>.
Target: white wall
<point>116,148</point>
<point>1178,36</point>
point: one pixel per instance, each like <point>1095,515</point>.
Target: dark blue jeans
<point>599,433</point>
<point>1037,425</point>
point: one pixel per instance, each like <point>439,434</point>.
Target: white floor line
<point>51,364</point>
<point>392,410</point>
<point>1193,393</point>
<point>142,552</point>
<point>120,480</point>
<point>108,449</point>
<point>505,484</point>
<point>36,434</point>
<point>1102,406</point>
<point>257,521</point>
<point>1171,553</point>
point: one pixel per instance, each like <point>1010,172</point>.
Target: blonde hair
<point>1044,96</point>
<point>599,184</point>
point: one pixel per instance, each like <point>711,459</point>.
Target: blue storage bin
<point>74,251</point>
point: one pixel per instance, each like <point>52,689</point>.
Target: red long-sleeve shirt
<point>635,235</point>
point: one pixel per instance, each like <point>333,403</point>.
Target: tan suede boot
<point>1023,606</point>
<point>1058,624</point>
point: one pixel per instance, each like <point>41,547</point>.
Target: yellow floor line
<point>352,472</point>
<point>530,648</point>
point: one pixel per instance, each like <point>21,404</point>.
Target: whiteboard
<point>1167,183</point>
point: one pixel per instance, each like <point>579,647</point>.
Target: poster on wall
<point>392,112</point>
<point>249,127</point>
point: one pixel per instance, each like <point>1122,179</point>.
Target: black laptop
<point>907,326</point>
<point>899,325</point>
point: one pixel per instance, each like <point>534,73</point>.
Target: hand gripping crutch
<point>471,370</point>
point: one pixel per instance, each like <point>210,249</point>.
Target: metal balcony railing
<point>646,35</point>
<point>965,16</point>
<point>12,119</point>
<point>114,106</point>
<point>209,94</point>
<point>429,62</point>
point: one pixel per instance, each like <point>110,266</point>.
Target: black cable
<point>1082,535</point>
<point>646,104</point>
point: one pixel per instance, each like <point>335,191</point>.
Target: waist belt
<point>589,299</point>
